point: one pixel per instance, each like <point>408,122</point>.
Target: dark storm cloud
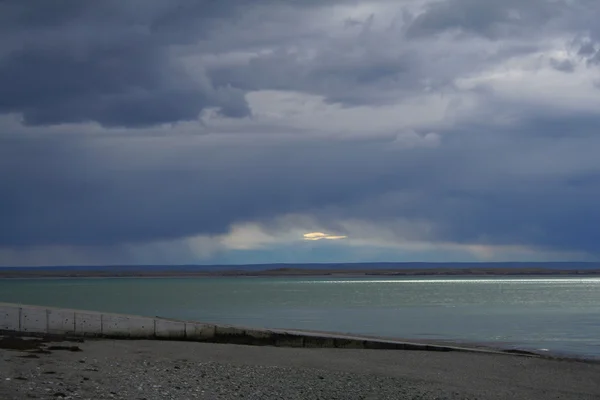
<point>116,62</point>
<point>511,172</point>
<point>113,62</point>
<point>106,62</point>
<point>487,192</point>
<point>88,197</point>
<point>537,184</point>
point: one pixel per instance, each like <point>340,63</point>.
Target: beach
<point>153,369</point>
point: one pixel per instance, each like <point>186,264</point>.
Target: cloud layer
<point>192,131</point>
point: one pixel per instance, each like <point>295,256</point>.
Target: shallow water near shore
<point>555,314</point>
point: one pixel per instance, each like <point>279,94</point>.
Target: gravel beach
<point>128,369</point>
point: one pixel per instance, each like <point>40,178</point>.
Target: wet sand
<point>132,369</point>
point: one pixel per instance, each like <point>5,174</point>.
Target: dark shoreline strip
<point>174,272</point>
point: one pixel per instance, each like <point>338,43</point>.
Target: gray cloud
<point>493,19</point>
<point>363,78</point>
<point>487,192</point>
<point>508,166</point>
<point>106,62</point>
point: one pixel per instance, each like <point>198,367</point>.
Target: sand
<point>141,369</point>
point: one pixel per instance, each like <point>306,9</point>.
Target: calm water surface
<point>558,314</point>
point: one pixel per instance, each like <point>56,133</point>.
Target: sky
<point>234,131</point>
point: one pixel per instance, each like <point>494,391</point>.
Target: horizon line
<point>304,264</point>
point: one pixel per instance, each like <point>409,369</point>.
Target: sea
<point>559,315</point>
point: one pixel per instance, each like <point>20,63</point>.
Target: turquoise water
<point>557,314</point>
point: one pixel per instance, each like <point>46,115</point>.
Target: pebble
<point>131,377</point>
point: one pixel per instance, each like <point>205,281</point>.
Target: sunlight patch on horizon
<point>321,235</point>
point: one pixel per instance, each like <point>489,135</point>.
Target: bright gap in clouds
<point>321,235</point>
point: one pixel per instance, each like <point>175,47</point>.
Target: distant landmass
<point>350,269</point>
